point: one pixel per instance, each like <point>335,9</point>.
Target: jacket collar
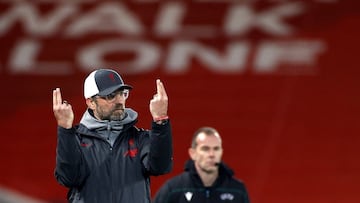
<point>83,130</point>
<point>224,172</point>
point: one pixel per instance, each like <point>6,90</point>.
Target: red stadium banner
<point>139,36</point>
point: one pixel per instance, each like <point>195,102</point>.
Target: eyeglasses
<point>111,97</point>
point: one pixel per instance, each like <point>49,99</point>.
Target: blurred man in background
<point>206,178</point>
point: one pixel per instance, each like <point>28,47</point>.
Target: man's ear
<point>90,103</point>
<point>192,153</point>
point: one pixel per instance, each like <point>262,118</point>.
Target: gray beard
<point>117,116</point>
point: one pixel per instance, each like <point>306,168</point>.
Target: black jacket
<point>188,188</point>
<point>95,172</point>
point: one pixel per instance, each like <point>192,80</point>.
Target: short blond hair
<point>208,131</point>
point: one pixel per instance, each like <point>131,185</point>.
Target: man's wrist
<point>161,119</point>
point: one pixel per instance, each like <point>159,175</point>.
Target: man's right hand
<point>62,110</point>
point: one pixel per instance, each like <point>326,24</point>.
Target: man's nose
<point>212,152</point>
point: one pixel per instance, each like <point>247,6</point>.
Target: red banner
<point>261,37</point>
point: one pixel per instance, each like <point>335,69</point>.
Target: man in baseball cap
<point>105,156</point>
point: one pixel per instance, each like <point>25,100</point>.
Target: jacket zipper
<point>111,162</point>
<point>207,193</point>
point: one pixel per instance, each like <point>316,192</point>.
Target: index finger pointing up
<point>160,89</point>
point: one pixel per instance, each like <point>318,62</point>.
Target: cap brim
<point>113,89</point>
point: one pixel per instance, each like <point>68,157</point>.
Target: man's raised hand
<point>159,103</point>
<point>62,110</point>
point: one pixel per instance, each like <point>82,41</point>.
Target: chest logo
<point>188,196</point>
<point>226,196</point>
<point>132,149</point>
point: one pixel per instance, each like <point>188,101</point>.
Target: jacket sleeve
<point>161,149</point>
<point>70,168</point>
<point>162,195</point>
